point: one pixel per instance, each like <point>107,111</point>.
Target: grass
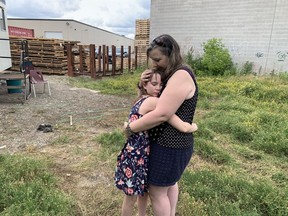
<point>28,188</point>
<point>123,85</point>
<point>239,167</point>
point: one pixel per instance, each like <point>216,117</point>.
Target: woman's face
<point>153,87</point>
<point>159,61</point>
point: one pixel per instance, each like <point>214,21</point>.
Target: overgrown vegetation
<point>239,166</point>
<point>241,147</point>
<point>216,61</point>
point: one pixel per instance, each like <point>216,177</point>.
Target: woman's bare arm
<point>179,88</point>
<point>150,104</point>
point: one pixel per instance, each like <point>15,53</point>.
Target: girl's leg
<point>160,200</point>
<point>173,192</point>
<point>142,204</point>
<point>128,205</point>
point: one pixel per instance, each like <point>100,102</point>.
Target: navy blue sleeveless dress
<point>132,163</point>
<point>170,149</point>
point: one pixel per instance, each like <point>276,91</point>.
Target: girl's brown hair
<point>141,90</point>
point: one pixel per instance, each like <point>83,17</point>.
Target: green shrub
<point>231,72</point>
<point>283,76</point>
<point>247,68</point>
<point>216,57</point>
<point>195,63</point>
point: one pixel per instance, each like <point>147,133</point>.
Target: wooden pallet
<point>142,27</point>
<point>44,53</point>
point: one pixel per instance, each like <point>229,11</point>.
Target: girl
<point>132,163</point>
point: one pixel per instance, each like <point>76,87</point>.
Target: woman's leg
<point>128,205</point>
<point>173,192</point>
<point>142,204</point>
<point>160,200</point>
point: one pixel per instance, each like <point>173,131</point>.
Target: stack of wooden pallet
<point>142,40</point>
<point>47,55</point>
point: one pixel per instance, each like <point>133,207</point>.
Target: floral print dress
<point>132,162</point>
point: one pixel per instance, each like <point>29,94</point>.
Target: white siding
<point>72,30</point>
<point>252,30</point>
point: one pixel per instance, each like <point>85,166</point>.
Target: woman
<point>171,150</point>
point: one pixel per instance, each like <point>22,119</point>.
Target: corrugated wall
<point>252,30</point>
<point>72,30</point>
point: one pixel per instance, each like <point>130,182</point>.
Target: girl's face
<point>153,87</point>
<point>159,61</point>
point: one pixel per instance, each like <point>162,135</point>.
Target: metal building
<point>71,30</point>
<point>252,30</point>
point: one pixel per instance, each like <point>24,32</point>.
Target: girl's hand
<point>191,128</point>
<point>194,127</point>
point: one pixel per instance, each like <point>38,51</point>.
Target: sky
<point>117,16</point>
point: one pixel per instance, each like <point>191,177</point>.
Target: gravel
<point>19,121</point>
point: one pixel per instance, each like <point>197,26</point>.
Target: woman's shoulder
<point>181,74</point>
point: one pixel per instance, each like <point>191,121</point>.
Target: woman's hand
<point>124,129</point>
<point>145,76</point>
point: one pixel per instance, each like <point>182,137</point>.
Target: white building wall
<point>252,30</point>
<point>72,30</point>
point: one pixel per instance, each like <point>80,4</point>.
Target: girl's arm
<point>182,126</point>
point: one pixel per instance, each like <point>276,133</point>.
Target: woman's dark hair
<point>169,47</point>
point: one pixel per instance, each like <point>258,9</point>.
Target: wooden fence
<point>82,60</point>
<point>54,56</point>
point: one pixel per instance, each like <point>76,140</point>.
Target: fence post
<point>113,59</point>
<point>81,68</point>
<point>92,61</point>
<point>136,54</point>
<point>100,56</point>
<point>69,60</point>
<point>122,60</point>
<point>107,58</point>
<point>129,58</point>
<point>104,60</point>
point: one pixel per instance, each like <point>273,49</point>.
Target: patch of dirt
<point>72,149</point>
<point>19,122</point>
